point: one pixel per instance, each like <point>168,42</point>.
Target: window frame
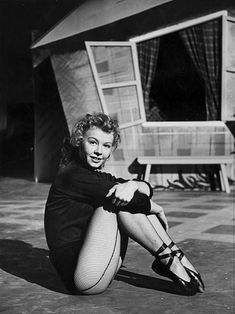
<point>180,26</point>
<point>136,82</point>
<point>225,68</point>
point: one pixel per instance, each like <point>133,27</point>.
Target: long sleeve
<point>93,186</point>
<point>73,197</point>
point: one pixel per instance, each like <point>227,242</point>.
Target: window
<point>187,90</point>
<point>116,73</point>
<point>178,89</point>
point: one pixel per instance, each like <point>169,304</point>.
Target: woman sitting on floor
<point>90,214</point>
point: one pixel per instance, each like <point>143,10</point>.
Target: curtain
<point>147,55</point>
<point>203,45</point>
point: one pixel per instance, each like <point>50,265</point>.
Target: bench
<point>222,161</point>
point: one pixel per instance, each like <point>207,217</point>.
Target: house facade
<point>166,73</point>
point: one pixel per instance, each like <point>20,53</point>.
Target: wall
<point>78,94</point>
<point>50,124</point>
<point>75,84</point>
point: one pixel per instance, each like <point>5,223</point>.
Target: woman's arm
<point>144,187</point>
<point>123,193</point>
<point>93,186</point>
<point>141,186</point>
<point>159,212</point>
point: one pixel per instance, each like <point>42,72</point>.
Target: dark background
<point>21,20</point>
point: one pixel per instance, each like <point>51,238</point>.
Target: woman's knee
<point>97,262</point>
<point>95,278</point>
<point>91,286</point>
<point>129,219</point>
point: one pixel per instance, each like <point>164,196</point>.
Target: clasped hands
<point>123,193</point>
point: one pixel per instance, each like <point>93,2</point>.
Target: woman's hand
<point>123,193</point>
<point>159,212</point>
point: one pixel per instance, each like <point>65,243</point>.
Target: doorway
<point>18,158</point>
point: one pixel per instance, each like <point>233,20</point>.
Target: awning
<point>95,13</point>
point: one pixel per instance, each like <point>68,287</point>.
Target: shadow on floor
<point>31,264</point>
<point>147,282</point>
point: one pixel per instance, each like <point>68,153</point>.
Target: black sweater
<point>75,194</point>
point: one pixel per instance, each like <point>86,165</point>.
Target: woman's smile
<point>96,159</point>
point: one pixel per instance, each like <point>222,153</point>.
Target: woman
<point>90,214</point>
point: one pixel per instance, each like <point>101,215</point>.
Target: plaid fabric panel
<point>203,43</point>
<point>147,55</point>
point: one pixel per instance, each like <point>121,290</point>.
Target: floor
<point>201,222</point>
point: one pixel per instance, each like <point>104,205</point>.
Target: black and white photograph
<point>117,156</point>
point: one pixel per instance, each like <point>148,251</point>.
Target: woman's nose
<point>98,150</point>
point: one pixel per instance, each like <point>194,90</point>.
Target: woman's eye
<point>107,146</point>
<point>92,142</point>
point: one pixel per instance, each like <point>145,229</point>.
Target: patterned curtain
<point>147,55</point>
<point>203,45</point>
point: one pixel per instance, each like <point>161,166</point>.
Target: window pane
<point>114,64</point>
<point>230,96</point>
<point>122,103</point>
<point>231,44</point>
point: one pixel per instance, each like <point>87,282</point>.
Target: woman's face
<point>97,146</point>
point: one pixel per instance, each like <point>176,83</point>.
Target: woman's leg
<point>139,228</point>
<point>99,258</point>
<point>167,239</point>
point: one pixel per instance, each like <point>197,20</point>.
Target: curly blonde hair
<point>72,148</point>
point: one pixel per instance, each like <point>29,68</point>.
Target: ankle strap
<point>178,253</point>
<point>167,255</point>
<point>171,245</point>
<point>164,256</point>
<point>161,249</point>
